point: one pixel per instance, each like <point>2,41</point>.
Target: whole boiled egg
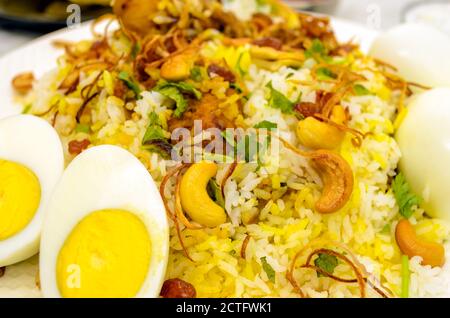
<point>424,139</point>
<point>31,163</point>
<point>419,52</point>
<point>106,233</point>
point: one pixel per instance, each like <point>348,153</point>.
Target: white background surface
<point>355,10</point>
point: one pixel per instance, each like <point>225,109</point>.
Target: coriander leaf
<point>236,87</point>
<point>182,86</point>
<point>215,193</point>
<point>161,147</point>
<point>317,49</point>
<point>406,277</point>
<point>174,94</point>
<point>125,77</point>
<point>266,124</point>
<point>174,91</point>
<point>247,147</point>
<point>261,3</point>
<point>238,65</point>
<point>135,50</point>
<point>268,269</point>
<point>196,74</point>
<point>228,135</point>
<point>386,229</point>
<point>279,101</point>
<point>27,109</point>
<point>155,138</point>
<point>188,88</point>
<point>406,200</point>
<point>324,73</point>
<point>360,90</point>
<point>326,262</point>
<point>83,128</point>
<point>154,130</point>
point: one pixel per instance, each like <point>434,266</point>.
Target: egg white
<point>424,140</point>
<point>32,142</point>
<point>104,177</point>
<point>419,52</point>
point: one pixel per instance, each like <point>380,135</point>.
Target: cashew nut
<point>337,178</point>
<point>23,82</point>
<point>194,196</point>
<point>135,15</point>
<point>271,59</point>
<point>268,53</point>
<point>178,67</point>
<point>432,254</point>
<point>315,134</point>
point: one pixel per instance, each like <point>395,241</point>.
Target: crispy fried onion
<point>361,276</point>
<point>227,176</point>
<point>244,246</point>
<point>358,136</point>
<point>177,215</point>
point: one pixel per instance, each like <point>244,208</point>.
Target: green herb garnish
<point>406,277</point>
<point>238,65</point>
<point>135,50</point>
<point>236,87</point>
<point>317,50</point>
<point>268,269</point>
<point>174,94</point>
<point>247,147</point>
<point>82,128</point>
<point>326,262</point>
<point>406,200</point>
<point>196,74</point>
<point>266,124</point>
<point>125,77</point>
<point>27,109</point>
<point>386,229</point>
<point>182,86</point>
<point>215,193</point>
<point>324,73</point>
<point>279,101</point>
<point>174,91</point>
<point>155,139</point>
<point>360,90</point>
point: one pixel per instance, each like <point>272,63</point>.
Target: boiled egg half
<point>31,163</point>
<point>419,52</point>
<point>424,140</point>
<point>106,233</point>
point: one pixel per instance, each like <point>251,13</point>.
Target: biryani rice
<point>282,191</point>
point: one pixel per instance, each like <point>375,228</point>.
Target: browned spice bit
<point>226,74</point>
<point>70,83</point>
<point>37,279</point>
<point>76,147</point>
<point>23,82</point>
<point>261,21</point>
<point>177,288</point>
<point>244,246</point>
<point>308,109</point>
<point>269,42</point>
<point>2,271</point>
<point>120,89</point>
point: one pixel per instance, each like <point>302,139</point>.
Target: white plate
<point>39,56</point>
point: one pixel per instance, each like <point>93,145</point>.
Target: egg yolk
<point>107,255</point>
<point>20,194</point>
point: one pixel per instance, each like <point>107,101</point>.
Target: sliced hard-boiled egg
<point>419,52</point>
<point>31,163</point>
<point>106,233</point>
<point>424,139</point>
